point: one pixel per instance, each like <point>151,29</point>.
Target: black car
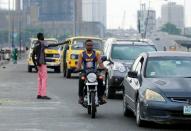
<point>120,56</point>
<point>158,88</point>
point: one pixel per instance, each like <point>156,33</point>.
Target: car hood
<point>126,63</point>
<point>174,87</point>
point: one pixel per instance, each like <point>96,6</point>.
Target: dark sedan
<point>158,88</point>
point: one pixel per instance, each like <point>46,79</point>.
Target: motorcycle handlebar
<point>78,71</point>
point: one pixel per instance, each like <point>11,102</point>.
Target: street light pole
<point>9,37</point>
<point>13,22</point>
<point>184,16</point>
<point>20,42</point>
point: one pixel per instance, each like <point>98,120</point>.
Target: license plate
<point>187,110</point>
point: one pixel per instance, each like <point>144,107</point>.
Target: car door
<point>132,84</point>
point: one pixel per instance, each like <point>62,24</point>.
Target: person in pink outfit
<point>38,57</point>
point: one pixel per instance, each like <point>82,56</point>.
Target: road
<point>21,111</point>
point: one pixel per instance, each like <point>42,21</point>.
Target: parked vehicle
<point>158,88</point>
<point>120,56</point>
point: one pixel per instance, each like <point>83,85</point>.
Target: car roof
<point>133,43</point>
<point>32,39</point>
<point>130,41</point>
<point>83,37</point>
<point>169,54</point>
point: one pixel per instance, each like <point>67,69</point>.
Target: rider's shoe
<point>103,100</point>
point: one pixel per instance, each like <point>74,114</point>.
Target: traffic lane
<point>109,116</point>
<point>20,110</point>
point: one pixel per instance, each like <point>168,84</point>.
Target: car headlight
<point>91,77</point>
<point>56,56</point>
<point>153,96</point>
<point>118,66</point>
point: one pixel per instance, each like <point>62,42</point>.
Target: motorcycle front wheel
<point>93,105</point>
<point>89,110</point>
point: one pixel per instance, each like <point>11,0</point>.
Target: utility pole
<point>9,27</point>
<point>74,21</point>
<point>20,38</point>
<point>13,26</point>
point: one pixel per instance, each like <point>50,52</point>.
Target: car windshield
<point>49,42</point>
<point>168,67</point>
<point>80,44</point>
<point>129,52</point>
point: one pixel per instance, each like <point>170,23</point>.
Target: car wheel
<point>68,73</point>
<point>110,92</point>
<point>29,68</point>
<point>64,70</point>
<point>57,69</point>
<point>139,121</point>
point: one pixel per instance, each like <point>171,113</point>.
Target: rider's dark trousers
<point>100,88</point>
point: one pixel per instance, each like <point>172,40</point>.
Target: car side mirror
<point>132,74</point>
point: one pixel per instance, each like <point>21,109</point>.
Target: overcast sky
<point>117,8</point>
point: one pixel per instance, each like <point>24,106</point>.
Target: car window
<point>48,42</point>
<point>129,52</point>
<point>80,44</point>
<point>168,67</point>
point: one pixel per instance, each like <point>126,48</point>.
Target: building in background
<point>74,17</point>
<point>174,14</point>
<point>94,13</point>
<point>56,10</point>
<point>146,21</point>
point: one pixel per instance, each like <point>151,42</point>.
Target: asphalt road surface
<point>21,111</point>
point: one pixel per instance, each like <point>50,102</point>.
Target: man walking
<point>38,57</point>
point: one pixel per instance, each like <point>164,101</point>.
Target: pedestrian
<point>14,55</point>
<point>38,57</point>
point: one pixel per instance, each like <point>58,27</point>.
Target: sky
<point>117,9</point>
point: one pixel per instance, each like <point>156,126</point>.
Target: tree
<point>171,29</point>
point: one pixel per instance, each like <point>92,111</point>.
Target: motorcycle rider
<point>90,59</point>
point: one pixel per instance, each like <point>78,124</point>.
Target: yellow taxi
<point>72,48</point>
<point>52,55</point>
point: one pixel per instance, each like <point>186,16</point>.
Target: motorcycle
<point>91,100</point>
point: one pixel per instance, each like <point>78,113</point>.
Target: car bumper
<point>49,65</point>
<point>116,79</point>
<point>164,112</point>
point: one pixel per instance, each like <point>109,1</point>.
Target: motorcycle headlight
<point>120,67</point>
<point>91,77</point>
<point>153,96</point>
